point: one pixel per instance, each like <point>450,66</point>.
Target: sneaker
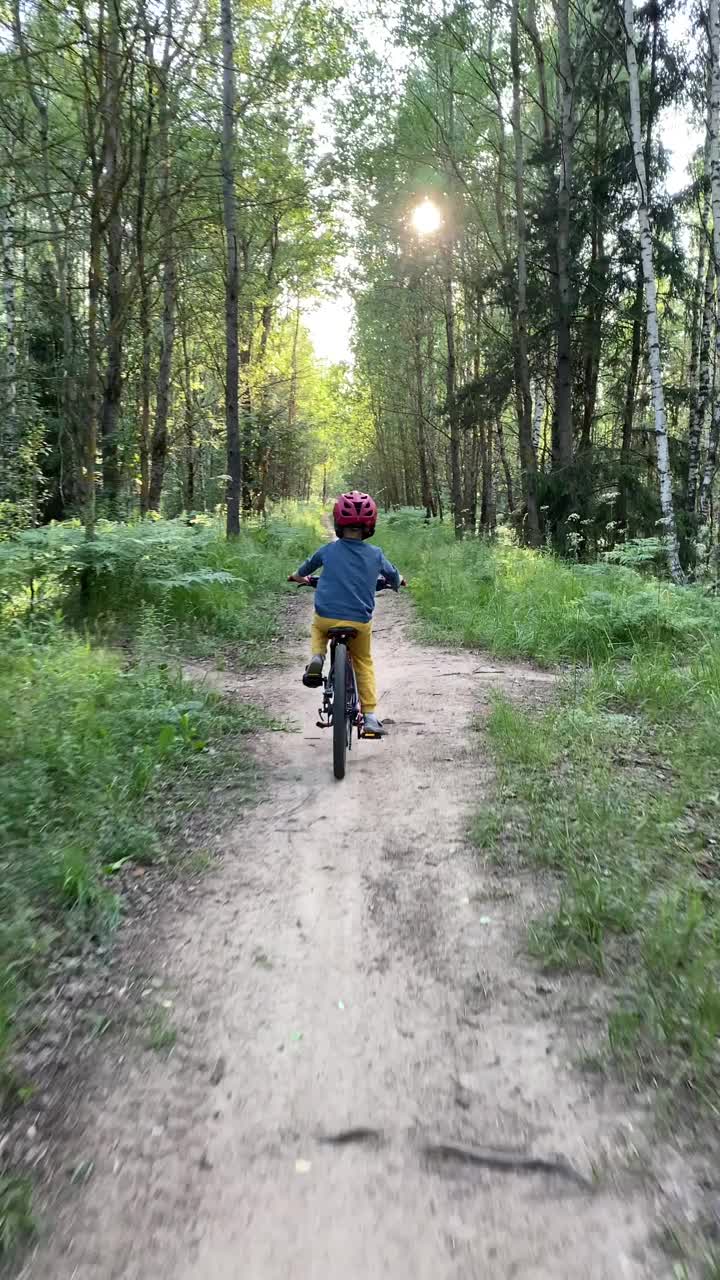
<point>313,672</point>
<point>373,726</point>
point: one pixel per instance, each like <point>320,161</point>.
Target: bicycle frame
<point>351,700</point>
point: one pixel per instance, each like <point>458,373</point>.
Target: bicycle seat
<point>342,633</point>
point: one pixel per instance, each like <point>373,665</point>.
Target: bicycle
<point>340,686</point>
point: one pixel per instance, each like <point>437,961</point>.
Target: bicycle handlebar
<point>382,584</point>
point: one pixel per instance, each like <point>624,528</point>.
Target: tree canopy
<point>178,184</point>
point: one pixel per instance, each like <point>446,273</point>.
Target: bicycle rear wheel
<point>339,711</point>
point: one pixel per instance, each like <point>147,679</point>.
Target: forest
<point>514,210</point>
<point>535,313</point>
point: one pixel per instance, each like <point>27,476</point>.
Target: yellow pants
<point>360,650</point>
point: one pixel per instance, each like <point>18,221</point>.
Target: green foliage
<point>16,1220</point>
<point>88,746</point>
<point>91,742</point>
<point>637,552</point>
<point>163,582</point>
<point>516,602</point>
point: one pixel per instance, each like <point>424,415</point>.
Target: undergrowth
<point>163,583</point>
<point>516,602</point>
<point>89,748</point>
<point>102,746</point>
<point>615,788</point>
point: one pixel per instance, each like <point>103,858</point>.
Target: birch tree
<point>650,286</point>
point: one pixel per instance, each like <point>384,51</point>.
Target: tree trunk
<point>704,529</point>
<point>708,477</point>
<point>537,416</point>
<point>563,419</point>
<point>9,442</point>
<point>189,474</point>
<point>700,389</point>
<point>597,283</point>
<point>426,493</point>
<point>452,407</point>
<point>92,383</point>
<point>112,392</point>
<point>232,367</point>
<point>638,310</point>
<point>528,461</point>
<point>505,465</point>
<point>696,319</point>
<point>159,445</point>
<point>292,397</point>
<point>653,339</point>
<point>143,281</point>
<point>488,510</point>
<point>268,309</point>
<point>70,480</point>
<point>112,182</point>
<point>158,449</point>
<point>144,440</point>
<point>530,24</point>
<point>470,472</point>
<point>249,469</point>
<point>629,405</point>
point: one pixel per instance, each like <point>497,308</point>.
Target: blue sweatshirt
<point>350,570</point>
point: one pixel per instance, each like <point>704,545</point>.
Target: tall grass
<point>516,602</point>
<point>616,788</point>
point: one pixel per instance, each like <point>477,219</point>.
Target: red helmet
<point>355,509</point>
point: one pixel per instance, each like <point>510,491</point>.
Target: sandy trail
<point>352,964</point>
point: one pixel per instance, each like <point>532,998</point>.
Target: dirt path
<point>352,965</point>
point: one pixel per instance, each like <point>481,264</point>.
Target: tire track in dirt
<point>352,965</point>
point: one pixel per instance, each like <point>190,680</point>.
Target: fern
<point>200,578</point>
<point>637,552</point>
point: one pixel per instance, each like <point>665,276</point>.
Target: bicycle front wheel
<point>339,711</point>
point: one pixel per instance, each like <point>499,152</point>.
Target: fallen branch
<point>512,1161</point>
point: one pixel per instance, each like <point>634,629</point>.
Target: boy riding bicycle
<point>346,595</point>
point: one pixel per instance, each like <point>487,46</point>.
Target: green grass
<point>615,789</point>
<point>92,754</point>
<point>16,1220</point>
<point>518,603</point>
<point>161,1033</point>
